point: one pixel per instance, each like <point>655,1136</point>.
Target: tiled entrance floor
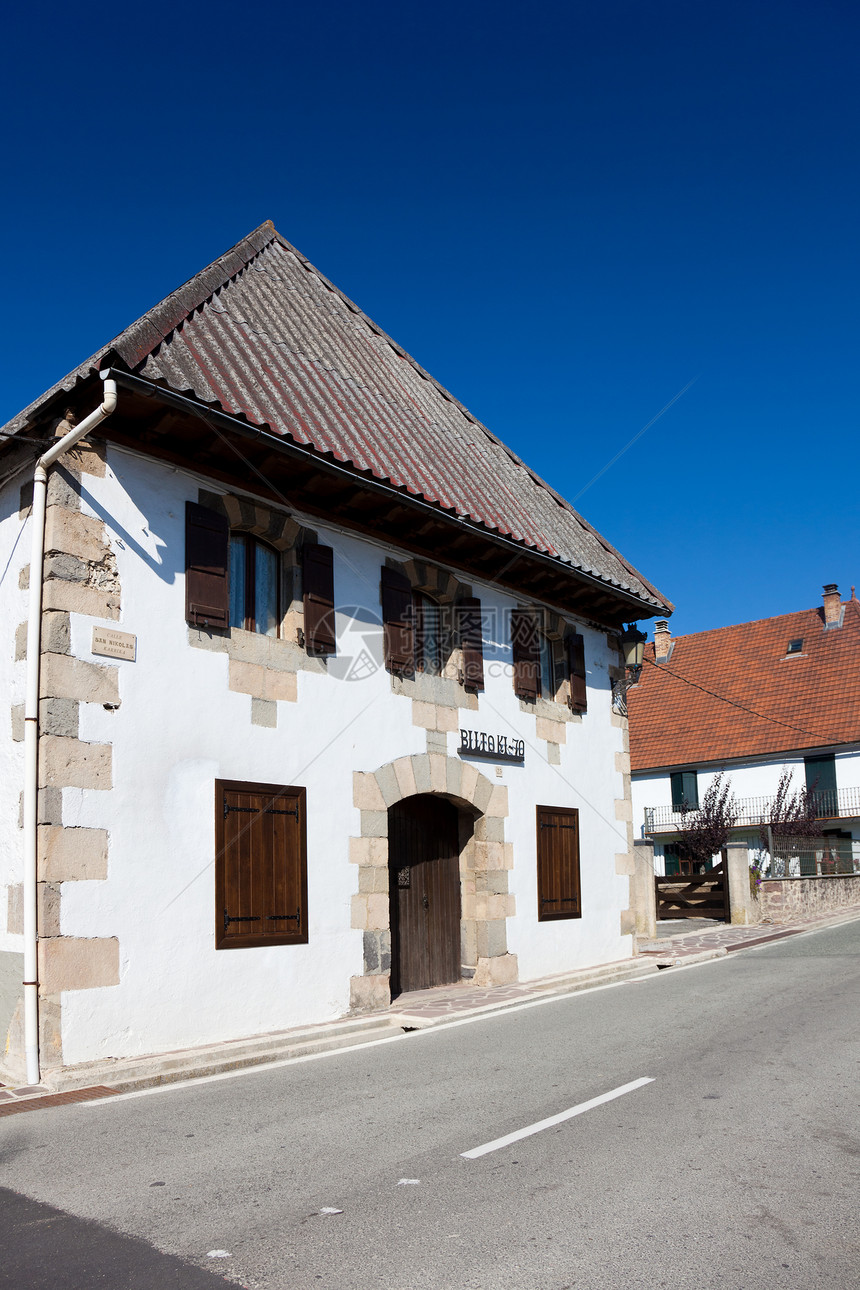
<point>451,1000</point>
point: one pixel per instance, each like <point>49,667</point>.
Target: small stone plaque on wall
<point>114,644</point>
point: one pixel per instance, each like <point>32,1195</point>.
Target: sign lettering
<point>114,644</point>
<point>477,743</point>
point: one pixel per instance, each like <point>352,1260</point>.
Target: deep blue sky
<point>565,213</point>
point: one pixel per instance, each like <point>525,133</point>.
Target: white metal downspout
<point>31,720</point>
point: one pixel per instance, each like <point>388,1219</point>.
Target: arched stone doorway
<point>485,860</point>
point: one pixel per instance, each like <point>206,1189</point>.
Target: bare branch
<point>704,832</point>
<point>791,813</point>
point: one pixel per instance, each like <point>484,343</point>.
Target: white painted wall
<point>179,728</point>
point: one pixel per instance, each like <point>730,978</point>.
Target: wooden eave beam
<point>146,424</point>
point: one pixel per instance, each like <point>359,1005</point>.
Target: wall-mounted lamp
<point>633,654</point>
<point>633,650</point>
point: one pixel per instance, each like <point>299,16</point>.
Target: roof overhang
<point>175,427</point>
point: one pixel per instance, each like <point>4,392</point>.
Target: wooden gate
<point>424,886</point>
<point>704,895</point>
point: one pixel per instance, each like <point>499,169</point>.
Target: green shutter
<point>685,789</point>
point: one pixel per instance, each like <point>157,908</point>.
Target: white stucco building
<point>325,679</point>
<point>751,701</point>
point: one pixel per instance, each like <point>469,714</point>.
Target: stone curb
<point>125,1075</point>
<point>701,956</point>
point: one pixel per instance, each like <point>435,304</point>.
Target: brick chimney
<point>832,606</point>
<point>662,641</point>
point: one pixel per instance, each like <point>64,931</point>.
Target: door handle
<point>425,901</point>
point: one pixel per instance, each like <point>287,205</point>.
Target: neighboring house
<point>749,701</point>
<point>326,686</point>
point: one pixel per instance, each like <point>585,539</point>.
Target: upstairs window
<point>795,646</point>
<point>685,790</point>
<point>427,616</point>
<point>537,662</point>
<point>254,578</point>
<point>419,631</point>
<point>547,666</point>
<point>821,784</point>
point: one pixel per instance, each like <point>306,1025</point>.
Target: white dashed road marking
<point>554,1119</point>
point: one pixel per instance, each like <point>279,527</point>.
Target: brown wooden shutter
<point>471,643</point>
<point>576,662</point>
<point>398,621</point>
<point>558,863</point>
<point>524,638</point>
<point>207,588</point>
<point>260,865</point>
<point>318,598</point>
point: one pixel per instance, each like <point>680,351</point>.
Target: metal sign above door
<point>476,743</point>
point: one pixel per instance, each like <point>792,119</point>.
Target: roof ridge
<point>753,622</point>
<point>140,338</point>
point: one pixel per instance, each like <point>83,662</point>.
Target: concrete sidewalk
<point>713,941</point>
<point>415,1011</point>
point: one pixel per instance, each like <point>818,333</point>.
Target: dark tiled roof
<point>262,335</point>
<point>805,700</point>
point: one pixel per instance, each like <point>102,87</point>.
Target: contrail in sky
<point>638,435</point>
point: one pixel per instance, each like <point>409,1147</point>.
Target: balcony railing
<point>829,805</point>
<point>813,858</point>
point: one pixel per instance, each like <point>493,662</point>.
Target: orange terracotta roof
<point>735,692</point>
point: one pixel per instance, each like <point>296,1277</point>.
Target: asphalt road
<point>737,1167</point>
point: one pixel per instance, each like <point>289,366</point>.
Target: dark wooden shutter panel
<point>558,863</point>
<point>318,598</point>
<point>207,588</point>
<point>524,639</point>
<point>398,621</point>
<point>576,661</point>
<point>261,865</point>
<point>469,627</point>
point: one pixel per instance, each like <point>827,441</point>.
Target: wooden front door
<point>424,876</point>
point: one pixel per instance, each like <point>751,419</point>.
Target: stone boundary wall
<point>787,900</point>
